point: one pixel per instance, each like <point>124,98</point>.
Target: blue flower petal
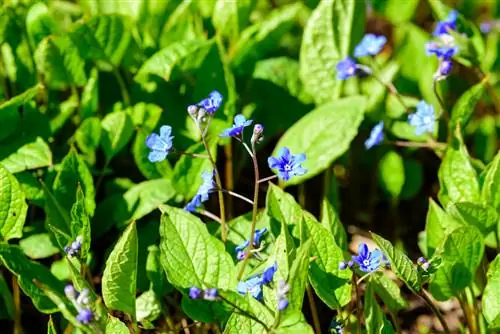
<point>157,156</point>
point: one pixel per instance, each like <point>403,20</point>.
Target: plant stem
<point>359,312</point>
<point>255,208</point>
<point>209,215</point>
<point>229,176</point>
<point>219,185</point>
<point>429,144</point>
<point>314,310</point>
<point>392,90</point>
<point>490,89</point>
<point>246,314</point>
<point>441,102</point>
<point>395,322</point>
<point>16,294</point>
<point>123,88</point>
<point>428,301</point>
<point>232,193</point>
<point>268,178</point>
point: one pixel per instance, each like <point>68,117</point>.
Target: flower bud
<point>192,110</point>
<point>258,133</point>
<point>194,293</point>
<point>70,291</point>
<point>282,304</point>
<point>342,265</point>
<point>211,294</point>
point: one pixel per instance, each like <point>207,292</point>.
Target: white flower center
<point>366,262</point>
<point>427,120</point>
<point>288,167</point>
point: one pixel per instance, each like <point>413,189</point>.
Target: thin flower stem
<point>359,306</point>
<point>269,178</point>
<point>210,215</point>
<point>194,155</point>
<point>229,176</point>
<point>490,89</point>
<point>429,144</point>
<point>423,294</point>
<point>440,100</point>
<point>16,293</point>
<point>123,87</point>
<point>246,313</point>
<point>255,208</point>
<point>232,193</point>
<point>218,182</point>
<point>314,310</point>
<point>365,276</point>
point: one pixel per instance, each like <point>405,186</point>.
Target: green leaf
<point>13,207</point>
<point>331,220</point>
<point>293,323</point>
<point>148,306</point>
<point>396,11</point>
<point>284,252</point>
<point>39,23</point>
<point>50,327</point>
<point>120,274</point>
<point>259,39</point>
<point>229,18</point>
<point>27,272</point>
<point>491,184</point>
<point>485,218</point>
<point>177,58</point>
<point>331,32</point>
<point>375,320</point>
<point>117,130</point>
<point>21,99</point>
<point>80,223</point>
<point>190,255</point>
<point>187,171</point>
<point>115,326</point>
<point>238,323</point>
<point>461,254</point>
<point>392,173</point>
<point>105,38</point>
<point>457,176</point>
<point>183,24</point>
<point>38,246</point>
<point>88,136</point>
<point>7,301</point>
<point>401,265</point>
<point>155,273</point>
<point>89,101</point>
<point>58,59</point>
<point>464,108</point>
<point>32,155</point>
<point>388,291</point>
<point>491,298</point>
<point>298,278</point>
<point>323,134</point>
<point>438,225</point>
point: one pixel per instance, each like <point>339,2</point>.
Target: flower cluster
<point>370,45</point>
<point>75,247</point>
<point>203,191</point>
<point>82,303</point>
<point>424,119</point>
<point>254,284</point>
<point>281,293</point>
<point>208,294</point>
<point>444,45</point>
<point>240,249</point>
<point>366,261</point>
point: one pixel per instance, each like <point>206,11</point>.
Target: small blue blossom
<point>160,145</point>
<point>370,45</point>
<point>85,316</point>
<point>252,286</point>
<point>367,261</point>
<point>287,164</point>
<point>212,102</point>
<point>203,191</point>
<point>445,68</point>
<point>445,26</point>
<point>376,136</point>
<point>486,26</point>
<point>240,122</point>
<point>423,263</point>
<point>75,247</point>
<point>70,291</point>
<point>442,51</point>
<point>282,304</point>
<point>268,274</point>
<point>342,265</point>
<point>346,68</point>
<point>211,294</point>
<point>195,293</point>
<point>256,242</point>
<point>423,120</point>
<point>281,292</point>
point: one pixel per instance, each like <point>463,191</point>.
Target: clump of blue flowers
<point>160,145</point>
<point>82,304</point>
<point>240,122</point>
<point>346,68</point>
<point>287,164</point>
<point>447,25</point>
<point>75,247</point>
<point>423,120</point>
<point>370,45</point>
<point>366,261</point>
<point>281,294</point>
<point>208,294</point>
<point>376,136</point>
<point>203,192</point>
<point>240,249</point>
<point>254,284</point>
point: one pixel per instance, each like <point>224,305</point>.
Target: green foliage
<point>490,300</point>
<point>13,206</point>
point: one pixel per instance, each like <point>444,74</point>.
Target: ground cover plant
<point>250,166</point>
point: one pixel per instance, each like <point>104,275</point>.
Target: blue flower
<point>281,292</point>
<point>287,164</point>
<point>211,294</point>
<point>75,247</point>
<point>252,286</point>
<point>69,291</point>
<point>376,136</point>
<point>486,27</point>
<point>282,304</point>
<point>212,102</point>
<point>203,191</point>
<point>268,274</point>
<point>195,293</point>
<point>445,26</point>
<point>346,68</point>
<point>442,51</point>
<point>367,261</point>
<point>240,122</point>
<point>256,242</point>
<point>445,68</point>
<point>370,45</point>
<point>423,120</point>
<point>160,145</point>
<point>423,263</point>
<point>85,316</point>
